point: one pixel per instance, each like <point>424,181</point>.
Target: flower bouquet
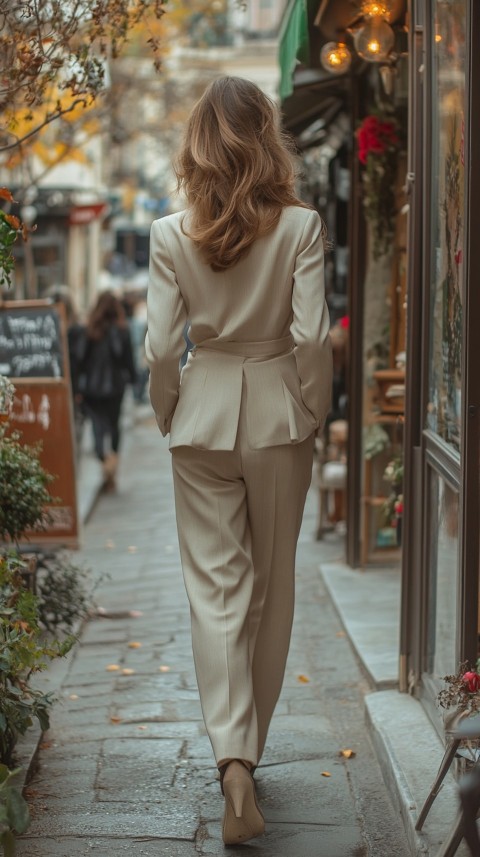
<point>461,698</point>
<point>378,146</point>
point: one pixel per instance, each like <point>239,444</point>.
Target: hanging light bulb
<point>335,57</point>
<point>376,9</point>
<point>374,41</point>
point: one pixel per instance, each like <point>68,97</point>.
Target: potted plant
<point>460,698</point>
<point>23,487</point>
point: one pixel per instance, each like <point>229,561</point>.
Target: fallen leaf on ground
<point>347,754</point>
<point>115,719</point>
<point>303,679</point>
<point>326,774</point>
<point>112,668</point>
<point>164,669</point>
<point>128,671</point>
<point>134,645</point>
<point>73,696</point>
<point>46,745</point>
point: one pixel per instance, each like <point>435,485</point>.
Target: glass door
<point>443,420</point>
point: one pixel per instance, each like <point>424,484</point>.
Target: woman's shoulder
<point>299,214</point>
<point>170,222</point>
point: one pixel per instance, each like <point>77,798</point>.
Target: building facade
<point>413,301</point>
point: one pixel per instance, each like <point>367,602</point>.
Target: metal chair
<point>465,825</point>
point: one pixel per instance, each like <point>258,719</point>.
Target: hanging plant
<point>378,147</point>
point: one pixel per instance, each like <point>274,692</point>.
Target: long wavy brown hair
<point>236,169</point>
<point>107,311</point>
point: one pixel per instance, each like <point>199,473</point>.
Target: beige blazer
<point>260,330</point>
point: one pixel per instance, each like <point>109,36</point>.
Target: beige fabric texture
<point>275,291</point>
<point>242,417</point>
<point>239,514</point>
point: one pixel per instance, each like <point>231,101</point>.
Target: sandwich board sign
<point>34,356</point>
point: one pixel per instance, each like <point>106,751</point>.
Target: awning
<point>294,44</point>
<point>315,95</point>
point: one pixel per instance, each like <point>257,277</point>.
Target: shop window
<point>444,545</point>
<point>447,221</point>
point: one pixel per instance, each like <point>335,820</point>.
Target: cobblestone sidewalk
<point>127,767</point>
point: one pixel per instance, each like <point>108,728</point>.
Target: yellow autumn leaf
<point>128,671</point>
<point>164,669</point>
<point>112,668</point>
<point>134,645</point>
<point>303,679</point>
<point>347,754</point>
<point>115,719</point>
<point>326,774</point>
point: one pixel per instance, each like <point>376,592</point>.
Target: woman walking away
<point>105,366</point>
<point>244,264</point>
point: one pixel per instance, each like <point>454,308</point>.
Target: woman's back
<point>249,302</point>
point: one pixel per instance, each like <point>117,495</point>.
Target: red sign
<point>84,214</point>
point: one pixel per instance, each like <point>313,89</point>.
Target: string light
<point>378,9</point>
<point>374,41</point>
<point>335,57</point>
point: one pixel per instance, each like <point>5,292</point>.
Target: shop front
<point>441,550</point>
<point>414,307</point>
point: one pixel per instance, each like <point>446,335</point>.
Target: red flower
<point>472,680</point>
<point>399,507</point>
<point>375,136</point>
<point>345,322</point>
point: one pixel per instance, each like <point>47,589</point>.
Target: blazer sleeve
<point>311,322</point>
<point>166,319</point>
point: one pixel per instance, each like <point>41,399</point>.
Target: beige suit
<point>242,417</point>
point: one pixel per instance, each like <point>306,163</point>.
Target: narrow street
<point>127,767</point>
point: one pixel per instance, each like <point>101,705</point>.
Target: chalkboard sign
<point>34,354</point>
<point>31,342</point>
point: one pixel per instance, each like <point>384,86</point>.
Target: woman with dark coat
<point>105,367</point>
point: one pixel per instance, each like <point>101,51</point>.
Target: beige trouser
<point>238,518</point>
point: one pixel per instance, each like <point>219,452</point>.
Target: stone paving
<point>126,766</point>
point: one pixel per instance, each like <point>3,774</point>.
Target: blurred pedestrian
<point>105,367</point>
<point>136,311</point>
<point>75,333</point>
<point>244,263</point>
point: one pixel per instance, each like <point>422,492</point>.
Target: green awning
<point>294,44</point>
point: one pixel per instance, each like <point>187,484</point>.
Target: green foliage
<point>63,593</point>
<point>14,815</point>
<point>10,228</point>
<point>23,487</point>
<point>23,652</point>
<point>8,236</point>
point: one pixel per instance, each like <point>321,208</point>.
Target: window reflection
<point>447,178</point>
<point>443,577</point>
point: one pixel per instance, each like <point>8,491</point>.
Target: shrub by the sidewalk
<point>24,651</point>
<point>23,487</point>
<point>64,596</point>
<point>14,815</point>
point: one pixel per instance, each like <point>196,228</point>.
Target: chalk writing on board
<point>24,411</point>
<point>30,343</point>
<point>59,517</point>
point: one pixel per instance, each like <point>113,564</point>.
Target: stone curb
<point>409,752</point>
